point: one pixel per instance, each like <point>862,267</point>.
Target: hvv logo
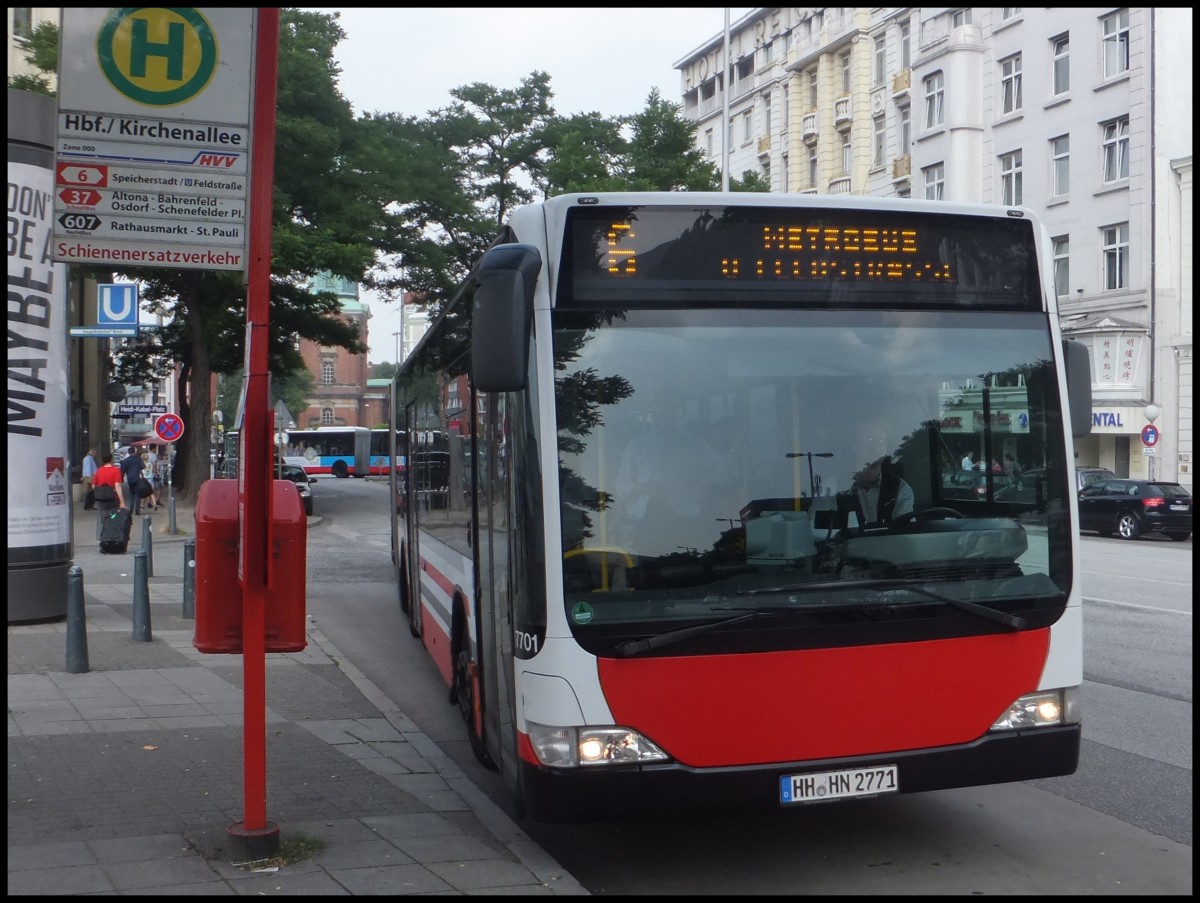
<point>117,304</point>
<point>1106,418</point>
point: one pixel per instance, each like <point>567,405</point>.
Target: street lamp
<point>812,477</point>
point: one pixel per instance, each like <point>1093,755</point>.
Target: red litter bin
<point>218,593</point>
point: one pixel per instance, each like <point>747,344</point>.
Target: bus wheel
<point>407,604</point>
<point>340,470</point>
<point>403,587</point>
<point>463,692</point>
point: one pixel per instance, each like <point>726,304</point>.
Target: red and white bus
<point>343,451</point>
<point>652,579</point>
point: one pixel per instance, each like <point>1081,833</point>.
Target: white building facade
<point>1083,115</point>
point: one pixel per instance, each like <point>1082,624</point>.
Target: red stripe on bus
<point>726,710</point>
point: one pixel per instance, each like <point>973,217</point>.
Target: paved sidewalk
<point>126,778</point>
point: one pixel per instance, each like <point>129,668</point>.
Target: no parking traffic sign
<point>168,427</point>
<point>1149,435</point>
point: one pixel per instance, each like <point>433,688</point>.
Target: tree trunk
<point>193,455</point>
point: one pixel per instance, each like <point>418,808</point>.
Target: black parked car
<point>1130,508</point>
<point>1086,476</point>
<point>971,485</point>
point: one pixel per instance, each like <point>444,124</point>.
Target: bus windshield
<point>718,459</point>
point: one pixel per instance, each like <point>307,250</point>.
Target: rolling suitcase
<point>114,531</point>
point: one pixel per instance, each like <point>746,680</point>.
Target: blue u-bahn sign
<point>117,304</point>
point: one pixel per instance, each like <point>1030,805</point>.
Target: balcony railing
<point>901,82</point>
<point>809,127</point>
<point>902,167</point>
<point>840,186</point>
<point>764,145</point>
<point>841,110</point>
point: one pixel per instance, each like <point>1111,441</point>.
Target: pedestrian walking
<point>89,475</point>
<point>131,470</point>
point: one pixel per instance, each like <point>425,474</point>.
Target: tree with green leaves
<point>330,215</point>
<point>353,195</point>
<point>41,52</point>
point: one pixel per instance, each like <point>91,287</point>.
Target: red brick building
<point>340,396</point>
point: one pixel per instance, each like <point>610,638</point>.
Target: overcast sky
<point>599,59</point>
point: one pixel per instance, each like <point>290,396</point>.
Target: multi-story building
<point>1083,115</point>
<point>340,378</point>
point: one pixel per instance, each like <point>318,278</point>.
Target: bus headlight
<point>1048,708</point>
<point>571,747</point>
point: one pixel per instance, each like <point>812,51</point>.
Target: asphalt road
<point>1121,825</point>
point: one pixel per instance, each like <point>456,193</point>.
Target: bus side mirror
<point>1079,386</point>
<point>501,317</point>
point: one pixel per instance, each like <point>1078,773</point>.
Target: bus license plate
<point>820,786</point>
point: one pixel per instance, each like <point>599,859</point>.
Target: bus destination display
<point>686,249</point>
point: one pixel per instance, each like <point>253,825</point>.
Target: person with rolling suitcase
<point>116,523</point>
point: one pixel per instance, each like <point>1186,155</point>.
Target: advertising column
<point>39,501</point>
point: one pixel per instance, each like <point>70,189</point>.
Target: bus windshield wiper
<point>1016,622</point>
<point>631,648</point>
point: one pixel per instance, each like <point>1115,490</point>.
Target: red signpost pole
<point>256,837</point>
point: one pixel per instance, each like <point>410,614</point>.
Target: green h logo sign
<point>142,47</point>
<point>157,57</point>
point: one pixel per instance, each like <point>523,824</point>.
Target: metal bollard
<point>77,650</point>
<point>189,578</point>
<point>141,598</point>
<point>148,545</point>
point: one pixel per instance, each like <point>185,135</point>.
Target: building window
<point>812,168</point>
<point>935,181</point>
<point>960,17</point>
<point>767,113</point>
<point>846,154</point>
<point>812,89</point>
<point>746,123</point>
<point>935,91</point>
<point>22,22</point>
<point>1116,43</point>
<point>327,373</point>
<point>1062,265</point>
<point>905,46</point>
<point>877,143</point>
<point>845,73</point>
<point>905,129</point>
<point>1010,84</point>
<point>768,53</point>
<point>708,142</point>
<point>1061,71</point>
<point>1116,256</point>
<point>1060,158</point>
<point>1116,150</point>
<point>1009,12</point>
<point>1010,179</point>
<point>880,59</point>
<point>786,187</point>
<point>787,110</point>
<point>326,416</point>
